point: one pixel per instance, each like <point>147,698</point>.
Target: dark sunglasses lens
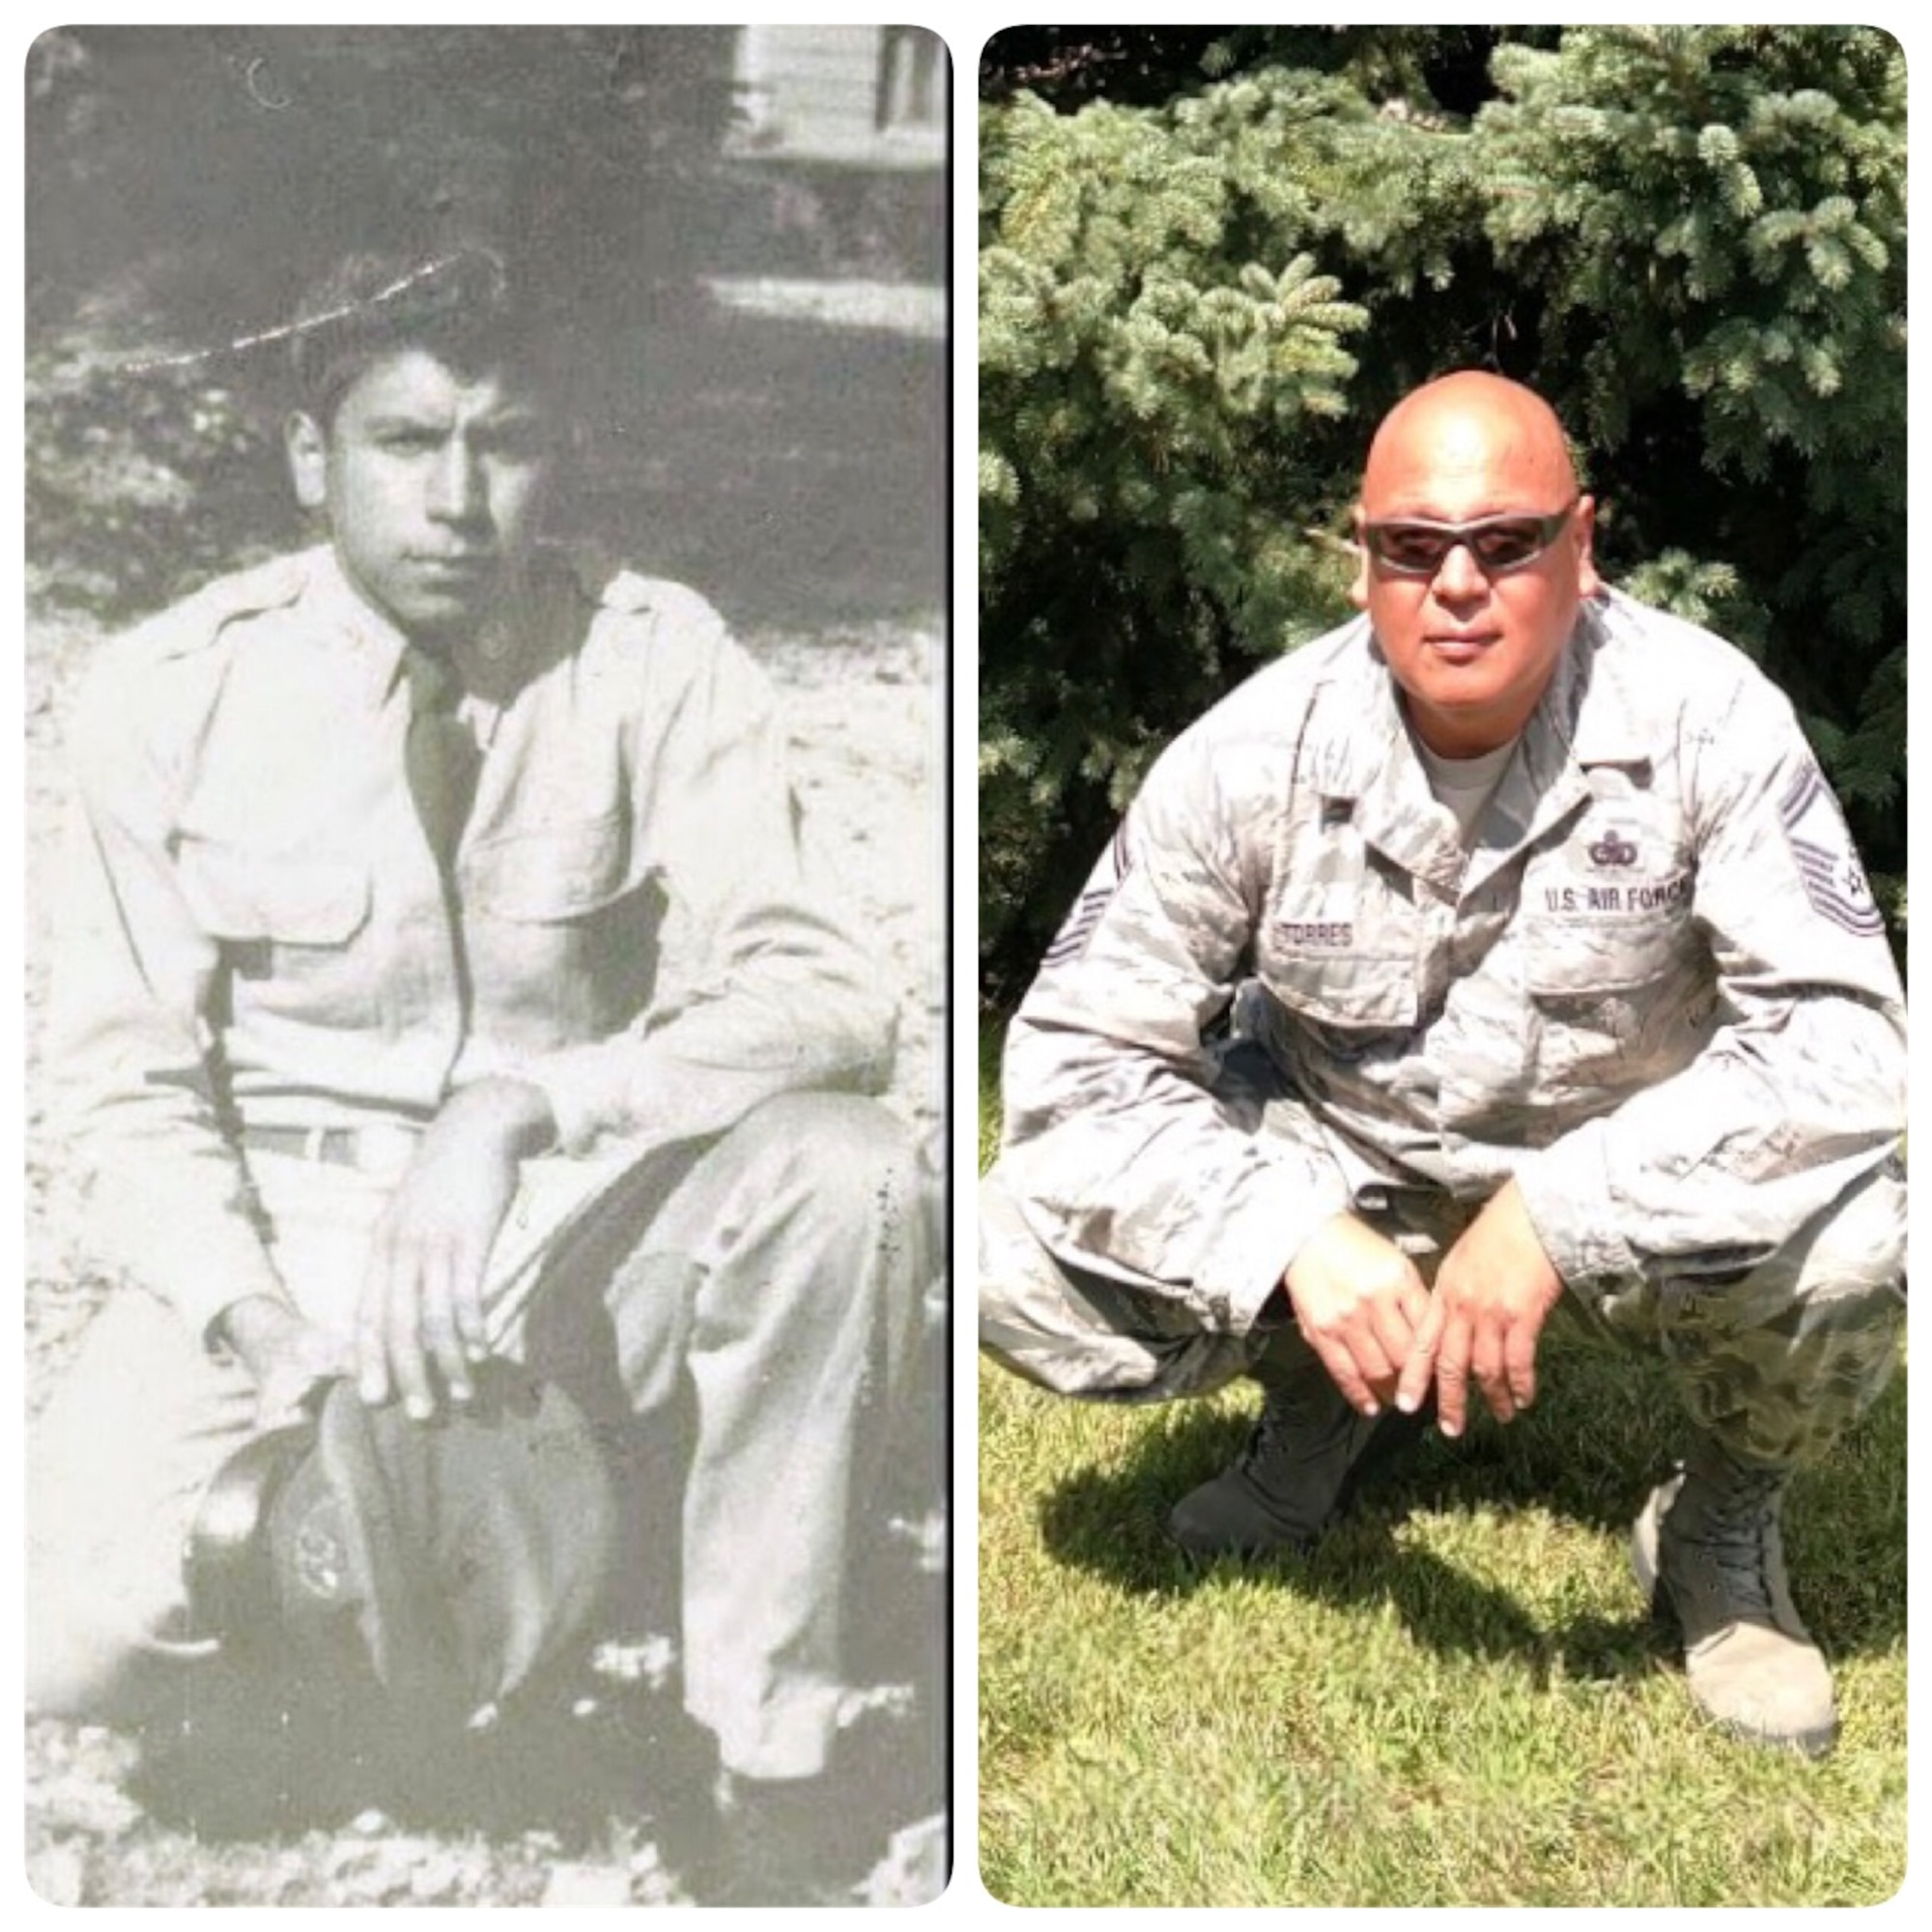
<point>1418,550</point>
<point>1410,546</point>
<point>1502,546</point>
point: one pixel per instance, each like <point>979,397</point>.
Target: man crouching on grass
<point>1503,943</point>
<point>464,1048</point>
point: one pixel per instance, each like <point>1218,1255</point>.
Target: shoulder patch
<point>1834,882</point>
<point>1080,922</point>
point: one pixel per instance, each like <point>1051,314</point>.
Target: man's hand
<point>287,1357</point>
<point>421,1319</point>
<point>1493,1290</point>
<point>1357,1300</point>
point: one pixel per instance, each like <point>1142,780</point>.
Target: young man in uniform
<point>1550,967</point>
<point>445,971</point>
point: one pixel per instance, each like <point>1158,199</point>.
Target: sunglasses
<point>1415,547</point>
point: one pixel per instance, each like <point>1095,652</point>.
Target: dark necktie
<point>440,756</point>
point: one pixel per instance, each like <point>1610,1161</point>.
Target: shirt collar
<point>1607,719</point>
<point>1357,750</point>
<point>348,617</point>
<point>1588,713</point>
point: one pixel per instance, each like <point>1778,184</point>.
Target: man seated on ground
<point>1503,942</point>
<point>445,977</point>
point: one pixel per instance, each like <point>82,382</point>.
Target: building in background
<point>873,98</point>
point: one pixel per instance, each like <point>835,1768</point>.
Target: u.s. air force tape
<point>1834,882</point>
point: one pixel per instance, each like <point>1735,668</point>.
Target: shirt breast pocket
<point>1346,1003</point>
<point>552,873</point>
<point>1338,953</point>
<point>245,897</point>
<point>1581,959</point>
<point>566,919</point>
<point>1612,1006</point>
<point>286,926</point>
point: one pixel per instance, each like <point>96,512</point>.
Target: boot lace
<point>1298,1429</point>
<point>1736,1532</point>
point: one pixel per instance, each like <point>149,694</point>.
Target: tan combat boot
<point>1708,1550</point>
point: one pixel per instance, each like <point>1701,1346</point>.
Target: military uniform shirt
<point>257,933</point>
<point>1655,989</point>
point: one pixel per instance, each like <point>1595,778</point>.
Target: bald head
<point>1472,643</point>
<point>1463,430</point>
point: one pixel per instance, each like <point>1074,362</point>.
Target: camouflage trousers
<point>1774,1361</point>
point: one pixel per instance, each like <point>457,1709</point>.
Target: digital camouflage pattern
<point>1654,990</point>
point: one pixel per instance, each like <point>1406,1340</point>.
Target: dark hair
<point>463,307</point>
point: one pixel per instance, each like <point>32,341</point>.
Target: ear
<point>1358,590</point>
<point>1583,531</point>
<point>308,460</point>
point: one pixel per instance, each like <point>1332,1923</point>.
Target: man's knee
<point>105,1598</point>
<point>816,1208</point>
<point>73,1671</point>
<point>832,1132</point>
<point>843,1166</point>
<point>116,1464</point>
<point>1858,1246</point>
<point>1078,1334</point>
<point>1782,1360</point>
<point>1842,1269</point>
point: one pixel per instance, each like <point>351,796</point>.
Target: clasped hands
<point>420,1327</point>
<point>1384,1337</point>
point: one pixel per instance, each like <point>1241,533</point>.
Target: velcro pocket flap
<point>1347,989</point>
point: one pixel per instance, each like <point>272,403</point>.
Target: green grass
<point>991,1039</point>
<point>1458,1700</point>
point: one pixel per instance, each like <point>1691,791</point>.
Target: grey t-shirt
<point>1465,785</point>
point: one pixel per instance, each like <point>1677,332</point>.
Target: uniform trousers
<point>774,1273</point>
<point>1773,1360</point>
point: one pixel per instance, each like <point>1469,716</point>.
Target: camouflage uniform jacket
<point>1656,990</point>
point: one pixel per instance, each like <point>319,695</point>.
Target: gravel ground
<point>576,1818</point>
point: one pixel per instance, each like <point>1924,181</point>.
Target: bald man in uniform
<point>1503,943</point>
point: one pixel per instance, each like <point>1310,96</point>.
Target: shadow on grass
<point>1604,1430</point>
